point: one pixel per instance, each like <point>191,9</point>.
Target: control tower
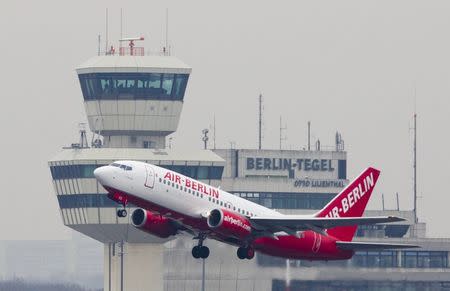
<point>133,102</point>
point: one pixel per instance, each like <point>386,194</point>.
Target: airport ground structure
<point>133,102</point>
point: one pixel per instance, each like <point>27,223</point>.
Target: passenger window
<point>221,203</point>
<point>160,180</point>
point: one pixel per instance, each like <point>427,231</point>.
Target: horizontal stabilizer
<point>367,246</point>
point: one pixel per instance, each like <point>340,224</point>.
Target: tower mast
<point>260,122</point>
<point>415,167</point>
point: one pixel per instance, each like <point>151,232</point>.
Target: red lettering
<point>194,185</point>
<point>215,193</point>
<point>188,183</point>
<point>177,179</point>
<point>207,190</point>
<point>168,175</point>
<point>200,187</point>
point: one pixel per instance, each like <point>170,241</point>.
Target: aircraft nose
<point>101,173</point>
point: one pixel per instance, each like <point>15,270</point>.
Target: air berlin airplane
<point>169,203</point>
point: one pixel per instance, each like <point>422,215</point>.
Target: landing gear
<point>122,213</point>
<point>245,253</point>
<point>200,251</point>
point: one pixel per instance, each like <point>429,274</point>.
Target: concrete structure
<point>132,103</point>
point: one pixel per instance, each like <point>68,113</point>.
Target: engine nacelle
<point>152,223</point>
<point>229,223</point>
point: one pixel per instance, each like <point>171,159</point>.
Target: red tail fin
<point>351,202</point>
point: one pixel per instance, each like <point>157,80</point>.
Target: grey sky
<point>350,66</point>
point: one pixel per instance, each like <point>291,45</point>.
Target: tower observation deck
<point>132,102</point>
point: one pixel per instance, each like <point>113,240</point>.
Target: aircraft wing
<point>317,224</point>
<point>366,246</point>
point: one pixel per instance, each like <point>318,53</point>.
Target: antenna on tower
<point>121,23</point>
<point>309,135</point>
<point>205,138</point>
<point>398,203</point>
<point>260,122</point>
<point>339,142</point>
<point>415,167</point>
<point>166,49</point>
<point>214,131</point>
<point>106,28</point>
<point>282,138</point>
<point>99,40</point>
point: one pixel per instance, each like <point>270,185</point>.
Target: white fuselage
<point>176,192</point>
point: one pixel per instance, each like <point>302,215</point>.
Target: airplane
<point>169,203</point>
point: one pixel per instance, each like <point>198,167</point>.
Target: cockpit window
<point>123,167</point>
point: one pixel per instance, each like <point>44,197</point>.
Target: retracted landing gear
<point>245,253</point>
<point>200,251</point>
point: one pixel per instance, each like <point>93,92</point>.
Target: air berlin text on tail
<point>353,196</point>
<point>192,184</point>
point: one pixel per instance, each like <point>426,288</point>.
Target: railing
<point>131,51</point>
<point>127,52</point>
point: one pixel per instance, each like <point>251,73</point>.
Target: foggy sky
<point>352,66</point>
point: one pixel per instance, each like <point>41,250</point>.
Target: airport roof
<point>133,64</point>
<point>165,156</point>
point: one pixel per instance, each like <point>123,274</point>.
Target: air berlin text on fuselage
<point>192,184</point>
<point>353,196</point>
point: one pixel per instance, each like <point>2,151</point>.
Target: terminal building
<point>133,102</point>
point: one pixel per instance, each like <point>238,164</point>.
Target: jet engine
<point>229,223</point>
<point>153,223</point>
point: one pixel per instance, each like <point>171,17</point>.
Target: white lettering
<point>335,211</point>
<point>236,222</point>
<point>356,194</point>
<point>344,204</point>
<point>351,202</point>
<point>370,182</point>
